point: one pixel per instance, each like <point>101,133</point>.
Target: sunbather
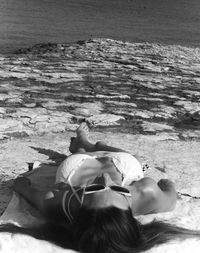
<point>98,190</point>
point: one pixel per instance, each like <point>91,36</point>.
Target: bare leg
<point>81,143</point>
<point>101,146</point>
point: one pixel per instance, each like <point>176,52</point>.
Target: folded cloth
<point>186,214</point>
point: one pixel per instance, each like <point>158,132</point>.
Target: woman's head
<point>103,192</point>
<point>105,230</point>
<point>107,197</point>
<point>97,196</point>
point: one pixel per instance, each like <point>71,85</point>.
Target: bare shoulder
<point>156,199</point>
<point>148,184</point>
<point>145,185</point>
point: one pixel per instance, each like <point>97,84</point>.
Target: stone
<point>145,114</point>
<point>87,109</point>
<point>14,100</point>
<point>121,103</point>
<point>10,125</point>
<point>104,120</point>
<point>29,112</point>
<point>39,118</point>
<point>154,127</point>
<point>3,97</point>
<point>3,136</point>
<point>188,105</point>
<point>102,76</point>
<point>52,104</point>
<point>167,136</point>
<point>82,112</point>
<point>153,99</point>
<point>191,134</point>
<point>112,96</point>
<point>30,105</point>
<point>46,127</point>
<point>2,110</point>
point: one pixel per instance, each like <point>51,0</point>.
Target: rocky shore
<point>132,88</point>
<point>142,97</point>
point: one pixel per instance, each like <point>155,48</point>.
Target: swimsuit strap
<point>75,193</point>
<point>63,206</point>
<point>68,210</point>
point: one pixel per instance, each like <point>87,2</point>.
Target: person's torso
<point>101,162</point>
<point>92,168</point>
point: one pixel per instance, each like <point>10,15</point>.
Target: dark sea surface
<point>27,22</point>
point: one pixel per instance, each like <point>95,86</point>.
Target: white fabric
<point>128,166</point>
<point>125,163</point>
<point>68,167</point>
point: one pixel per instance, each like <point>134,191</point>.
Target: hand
<point>166,184</point>
<point>21,184</point>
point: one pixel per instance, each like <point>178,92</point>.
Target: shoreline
<point>11,49</point>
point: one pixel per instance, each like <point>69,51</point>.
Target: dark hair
<point>113,230</point>
<point>106,230</point>
<point>54,233</point>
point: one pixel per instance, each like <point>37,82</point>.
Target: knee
<point>99,144</point>
<point>81,151</point>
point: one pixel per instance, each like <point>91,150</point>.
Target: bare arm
<point>47,202</point>
<point>165,196</point>
<point>154,197</point>
<point>167,193</point>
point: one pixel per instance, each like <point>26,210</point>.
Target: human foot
<point>81,141</point>
<point>83,130</point>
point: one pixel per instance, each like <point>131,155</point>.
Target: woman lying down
<point>97,193</point>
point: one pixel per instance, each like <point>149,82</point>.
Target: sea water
<point>27,22</point>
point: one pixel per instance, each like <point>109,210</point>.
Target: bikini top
<point>125,164</point>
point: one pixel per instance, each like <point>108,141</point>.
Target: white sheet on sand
<point>186,214</point>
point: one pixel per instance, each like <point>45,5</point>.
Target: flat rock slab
<point>136,88</point>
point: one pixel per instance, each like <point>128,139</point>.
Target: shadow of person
<point>22,212</point>
<point>42,175</point>
<point>54,156</point>
<point>42,178</point>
